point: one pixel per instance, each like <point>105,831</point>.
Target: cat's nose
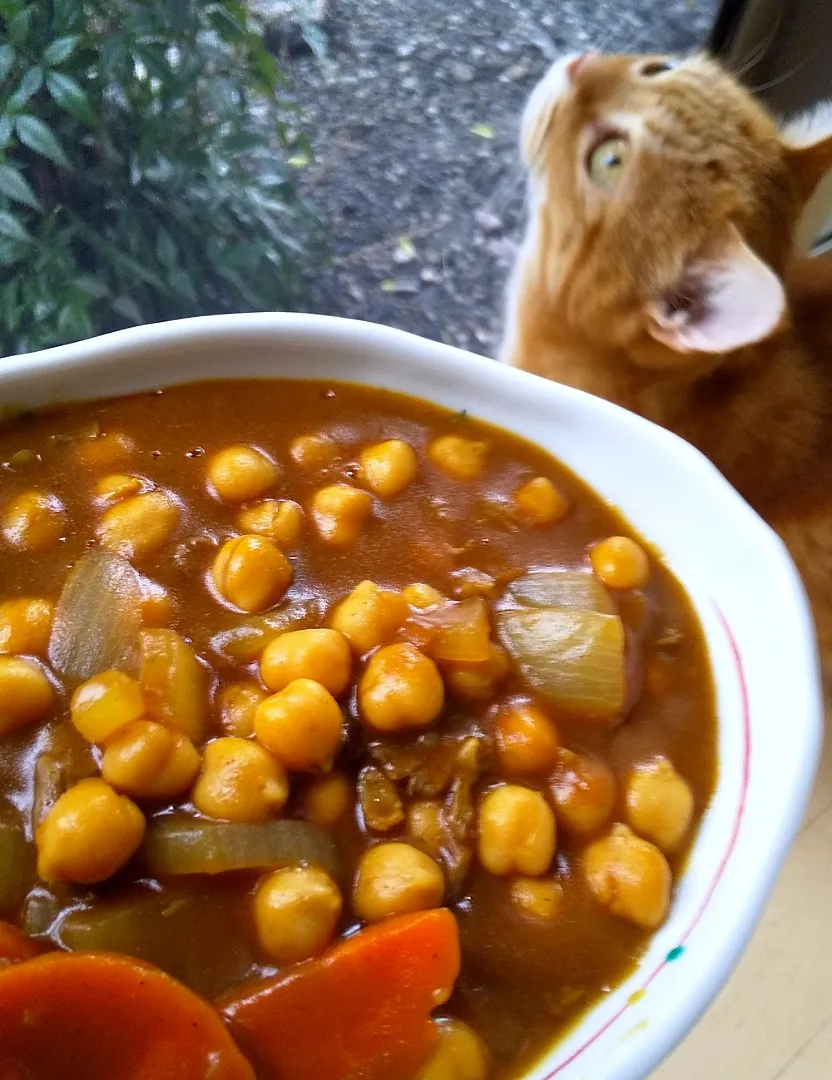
<point>576,66</point>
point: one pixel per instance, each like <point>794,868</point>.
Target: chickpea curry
<point>341,738</point>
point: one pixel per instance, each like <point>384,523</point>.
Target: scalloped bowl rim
<point>743,584</point>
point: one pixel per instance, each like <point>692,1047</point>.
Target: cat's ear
<point>809,148</point>
<point>809,164</point>
<point>723,301</point>
<point>537,116</point>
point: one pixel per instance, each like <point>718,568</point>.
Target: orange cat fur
<point>658,271</point>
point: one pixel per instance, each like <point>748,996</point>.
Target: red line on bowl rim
<point>746,764</point>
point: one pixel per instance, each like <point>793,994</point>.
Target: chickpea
<point>34,521</point>
<point>458,1054</point>
<point>401,688</point>
<point>539,502</point>
<point>388,468</point>
<point>630,876</point>
<point>583,791</point>
<point>527,740</point>
<point>539,898</point>
<point>516,832</point>
<point>237,703</point>
<point>340,513</point>
<point>296,912</point>
<point>26,694</point>
<point>117,486</point>
<point>424,826</point>
<point>251,572</point>
<point>313,452</point>
<point>659,803</point>
<point>421,596</point>
<point>280,521</point>
<point>25,626</point>
<point>135,754</point>
<point>327,800</point>
<point>301,725</point>
<point>105,451</point>
<point>321,655</point>
<point>241,473</point>
<point>106,703</point>
<point>460,458</point>
<point>620,563</point>
<point>140,525</point>
<point>240,781</point>
<point>478,682</point>
<point>369,616</point>
<point>88,835</point>
<point>395,879</point>
<point>147,760</point>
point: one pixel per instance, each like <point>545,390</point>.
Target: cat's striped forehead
<point>687,112</point>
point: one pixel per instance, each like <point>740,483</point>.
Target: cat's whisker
<point>754,56</point>
<point>782,78</point>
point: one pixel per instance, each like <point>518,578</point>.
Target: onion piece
<point>17,864</point>
<point>571,589</point>
<point>245,641</point>
<point>177,933</point>
<point>457,632</point>
<point>98,618</point>
<point>65,758</point>
<point>183,845</point>
<point>575,659</point>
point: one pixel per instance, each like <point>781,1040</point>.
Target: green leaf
<point>484,131</point>
<point>60,49</point>
<point>110,252</point>
<point>67,93</point>
<point>18,26</point>
<point>13,229</point>
<point>65,15</point>
<point>180,281</point>
<point>14,186</point>
<point>31,82</point>
<point>299,161</point>
<point>91,286</point>
<point>33,133</point>
<point>155,98</point>
<point>6,60</point>
<point>11,252</point>
<point>166,251</point>
<point>128,309</point>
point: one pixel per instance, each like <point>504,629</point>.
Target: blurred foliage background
<point>142,176</point>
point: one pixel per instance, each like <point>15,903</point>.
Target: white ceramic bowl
<point>740,578</point>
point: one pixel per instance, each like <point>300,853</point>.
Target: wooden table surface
<point>773,1021</point>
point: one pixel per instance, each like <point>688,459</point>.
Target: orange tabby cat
<point>658,271</point>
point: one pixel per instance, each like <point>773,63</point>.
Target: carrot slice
<point>361,1012</point>
<point>73,1016</point>
<point>15,946</point>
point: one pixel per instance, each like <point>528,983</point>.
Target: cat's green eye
<point>607,160</point>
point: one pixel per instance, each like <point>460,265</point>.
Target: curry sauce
<point>325,488</point>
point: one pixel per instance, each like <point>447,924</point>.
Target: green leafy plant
<point>141,176</point>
